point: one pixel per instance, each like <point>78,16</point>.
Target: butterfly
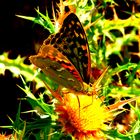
<point>64,57</point>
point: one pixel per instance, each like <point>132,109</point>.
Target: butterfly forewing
<point>72,42</point>
<point>64,56</point>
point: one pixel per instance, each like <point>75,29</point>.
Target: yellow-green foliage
<point>103,43</point>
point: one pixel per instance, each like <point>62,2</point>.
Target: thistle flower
<point>83,116</point>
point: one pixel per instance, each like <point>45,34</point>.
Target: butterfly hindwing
<point>57,67</point>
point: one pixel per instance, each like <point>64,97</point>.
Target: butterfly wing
<point>64,56</point>
<point>57,67</point>
<point>72,42</point>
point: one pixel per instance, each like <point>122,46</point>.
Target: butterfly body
<point>65,57</point>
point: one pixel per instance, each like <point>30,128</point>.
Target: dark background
<point>19,36</point>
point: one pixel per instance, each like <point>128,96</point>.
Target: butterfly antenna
<point>96,84</point>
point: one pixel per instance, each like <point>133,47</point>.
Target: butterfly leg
<point>56,93</point>
<point>88,104</point>
<point>78,104</point>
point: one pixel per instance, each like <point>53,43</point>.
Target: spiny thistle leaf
<point>17,67</point>
<point>43,20</point>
